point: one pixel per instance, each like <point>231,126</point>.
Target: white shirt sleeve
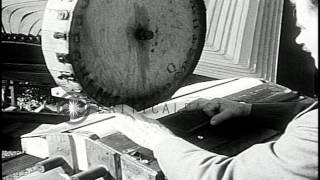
<point>292,157</point>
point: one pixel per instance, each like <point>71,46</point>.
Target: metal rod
<point>91,174</point>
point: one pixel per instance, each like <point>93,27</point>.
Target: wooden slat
<point>45,129</point>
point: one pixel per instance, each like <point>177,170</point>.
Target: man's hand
<point>142,130</point>
<point>219,109</point>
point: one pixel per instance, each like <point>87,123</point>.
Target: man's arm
<point>291,157</point>
<point>181,160</point>
<point>271,115</point>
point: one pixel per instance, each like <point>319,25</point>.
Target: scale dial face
<point>135,52</point>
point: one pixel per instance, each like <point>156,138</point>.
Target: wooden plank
<point>197,87</point>
<point>99,154</point>
<point>131,166</point>
<point>63,145</point>
<point>70,125</point>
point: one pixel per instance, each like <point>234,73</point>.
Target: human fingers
<point>197,104</point>
<point>220,117</point>
<point>212,107</point>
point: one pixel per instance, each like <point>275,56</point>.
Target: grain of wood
<point>123,69</point>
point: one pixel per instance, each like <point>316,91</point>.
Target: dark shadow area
<point>296,68</point>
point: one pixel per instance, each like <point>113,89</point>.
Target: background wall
<point>296,68</point>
